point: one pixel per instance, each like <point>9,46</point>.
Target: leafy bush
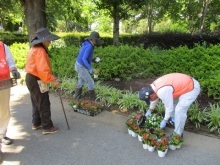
<point>128,101</point>
<point>109,95</point>
<point>214,118</point>
<point>19,52</point>
<point>127,62</point>
<point>196,116</point>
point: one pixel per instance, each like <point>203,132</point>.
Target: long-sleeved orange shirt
<point>38,64</point>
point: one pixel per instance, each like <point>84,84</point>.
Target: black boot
<point>92,95</point>
<point>78,93</point>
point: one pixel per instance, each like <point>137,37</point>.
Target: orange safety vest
<point>4,69</point>
<point>181,83</point>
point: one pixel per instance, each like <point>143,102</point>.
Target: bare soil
<point>136,84</point>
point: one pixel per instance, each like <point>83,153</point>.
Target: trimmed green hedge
<point>127,62</point>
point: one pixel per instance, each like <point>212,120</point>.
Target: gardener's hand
<point>16,74</point>
<point>97,59</point>
<point>148,113</point>
<point>56,84</point>
<point>163,124</point>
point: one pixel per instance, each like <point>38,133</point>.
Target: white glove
<point>148,113</point>
<point>97,59</point>
<point>163,124</point>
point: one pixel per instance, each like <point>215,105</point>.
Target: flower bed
<point>88,107</point>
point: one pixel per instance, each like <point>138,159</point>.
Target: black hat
<point>144,94</point>
<point>95,35</point>
<point>43,35</point>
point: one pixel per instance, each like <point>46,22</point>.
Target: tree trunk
<point>116,26</point>
<point>203,14</point>
<point>35,15</point>
<point>150,18</point>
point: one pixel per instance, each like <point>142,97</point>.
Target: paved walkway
<point>99,140</point>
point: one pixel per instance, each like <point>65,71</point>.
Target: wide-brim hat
<point>43,35</point>
<point>144,94</point>
<point>95,35</point>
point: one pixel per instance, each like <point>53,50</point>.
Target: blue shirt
<point>85,54</point>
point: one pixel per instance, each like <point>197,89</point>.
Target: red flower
<point>162,145</point>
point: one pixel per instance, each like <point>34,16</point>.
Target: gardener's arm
<point>153,104</point>
<point>166,95</point>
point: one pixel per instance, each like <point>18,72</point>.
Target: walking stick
<point>63,110</point>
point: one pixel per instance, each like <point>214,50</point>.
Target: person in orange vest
<point>168,88</point>
<point>7,65</point>
<point>38,77</point>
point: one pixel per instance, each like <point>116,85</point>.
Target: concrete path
<point>99,140</point>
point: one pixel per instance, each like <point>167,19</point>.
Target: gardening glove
<point>141,121</point>
<point>16,74</point>
<point>91,71</point>
<point>148,113</point>
<point>97,59</point>
<point>163,124</point>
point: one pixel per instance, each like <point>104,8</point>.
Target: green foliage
<point>109,95</point>
<point>11,38</point>
<point>19,52</point>
<point>160,108</point>
<point>127,62</point>
<point>129,101</point>
<point>63,61</point>
<point>213,118</point>
<point>196,116</point>
<point>68,85</point>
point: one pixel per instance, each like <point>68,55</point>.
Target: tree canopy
<point>115,16</point>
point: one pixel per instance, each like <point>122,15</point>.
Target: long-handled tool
<point>63,109</point>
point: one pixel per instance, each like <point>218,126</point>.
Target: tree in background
<point>68,13</point>
<point>10,15</point>
<point>118,9</point>
<point>35,15</point>
<point>194,16</point>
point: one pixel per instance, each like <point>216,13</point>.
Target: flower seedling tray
<point>7,83</point>
<point>88,107</point>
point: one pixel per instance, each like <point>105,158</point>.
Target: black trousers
<point>41,114</point>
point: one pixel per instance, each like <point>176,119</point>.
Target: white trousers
<point>182,107</point>
<point>4,111</point>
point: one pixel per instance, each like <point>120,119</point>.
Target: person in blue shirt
<point>83,65</point>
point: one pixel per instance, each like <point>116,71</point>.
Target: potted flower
<point>130,121</point>
<point>153,121</point>
<point>145,135</point>
<point>96,73</point>
<point>129,124</point>
<point>132,125</point>
<point>151,141</point>
<point>140,131</point>
<point>175,141</point>
<point>159,133</point>
<point>135,130</point>
<point>162,147</point>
